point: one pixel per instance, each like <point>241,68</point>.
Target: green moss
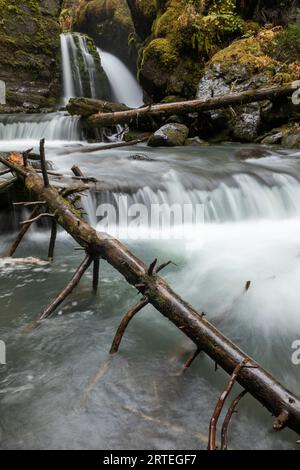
<point>189,29</point>
<point>255,55</point>
<point>161,50</point>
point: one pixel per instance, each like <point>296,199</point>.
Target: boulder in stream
<point>169,135</point>
<point>291,140</point>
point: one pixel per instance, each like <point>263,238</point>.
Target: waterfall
<point>82,71</point>
<point>68,82</point>
<point>124,86</point>
<point>244,199</point>
<point>72,81</point>
<point>89,64</point>
<point>53,126</point>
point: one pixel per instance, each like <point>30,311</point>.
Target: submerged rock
<point>141,157</point>
<point>195,142</point>
<point>256,152</point>
<point>272,139</point>
<point>291,140</point>
<point>169,135</point>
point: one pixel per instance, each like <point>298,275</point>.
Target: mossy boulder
<point>110,24</point>
<point>248,64</point>
<point>162,71</point>
<point>184,35</point>
<point>29,53</point>
<point>169,135</point>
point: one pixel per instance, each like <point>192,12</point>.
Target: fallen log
<point>102,118</point>
<point>257,381</point>
<point>88,106</point>
<point>111,145</point>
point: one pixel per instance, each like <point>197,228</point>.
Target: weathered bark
<point>257,381</point>
<point>24,229</point>
<point>102,117</point>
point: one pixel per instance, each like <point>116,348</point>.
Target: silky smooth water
<point>125,87</point>
<point>49,394</point>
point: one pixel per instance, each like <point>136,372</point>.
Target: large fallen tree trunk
<point>257,381</point>
<point>103,117</point>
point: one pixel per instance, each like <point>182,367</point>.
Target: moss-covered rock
<point>246,64</point>
<point>169,135</point>
<point>110,24</point>
<point>184,35</point>
<point>29,52</point>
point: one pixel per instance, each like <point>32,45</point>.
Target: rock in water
<point>169,135</point>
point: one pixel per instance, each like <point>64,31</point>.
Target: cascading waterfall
<point>244,199</point>
<point>82,73</point>
<point>66,40</point>
<point>125,88</point>
<point>53,127</point>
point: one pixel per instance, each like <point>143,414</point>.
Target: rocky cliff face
<point>110,25</point>
<point>29,53</point>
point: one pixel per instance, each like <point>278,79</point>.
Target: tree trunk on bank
<point>100,116</point>
<point>262,386</point>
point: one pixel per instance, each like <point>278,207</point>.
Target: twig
<point>96,268</point>
<point>163,266</point>
<point>124,323</point>
<point>65,291</point>
<point>38,217</point>
<point>101,372</point>
<point>28,203</point>
<point>52,240</point>
<point>231,410</point>
<point>151,267</point>
<point>25,156</point>
<point>77,171</point>
<point>220,404</point>
<point>24,229</point>
<point>106,146</point>
<point>281,420</point>
<point>4,172</point>
<point>43,163</point>
<point>191,359</point>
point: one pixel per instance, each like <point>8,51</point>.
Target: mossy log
<point>257,381</point>
<point>103,117</point>
<point>87,106</point>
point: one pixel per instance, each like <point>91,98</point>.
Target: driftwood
<point>103,118</point>
<point>111,145</point>
<point>227,419</point>
<point>252,377</point>
<point>220,405</point>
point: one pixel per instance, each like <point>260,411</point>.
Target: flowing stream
<point>249,230</point>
